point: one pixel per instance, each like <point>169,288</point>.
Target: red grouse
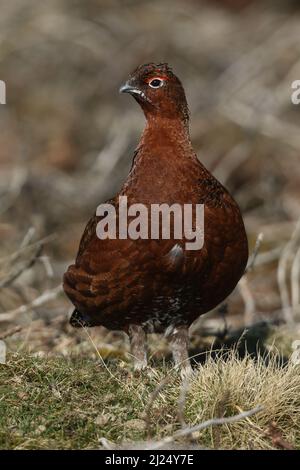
<point>142,285</point>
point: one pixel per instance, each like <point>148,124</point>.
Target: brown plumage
<point>142,286</point>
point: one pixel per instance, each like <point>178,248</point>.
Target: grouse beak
<point>127,88</point>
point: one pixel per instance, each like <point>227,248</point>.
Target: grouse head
<point>158,91</point>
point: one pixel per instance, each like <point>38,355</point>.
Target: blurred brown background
<point>67,138</point>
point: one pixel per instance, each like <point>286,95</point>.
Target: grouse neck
<point>158,124</point>
<point>162,132</point>
<point>165,165</point>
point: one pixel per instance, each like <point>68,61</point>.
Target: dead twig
<point>17,273</point>
<point>200,427</point>
<point>15,255</point>
<point>282,269</point>
<point>47,296</point>
<point>248,299</point>
<point>254,254</point>
<point>243,285</point>
<point>11,332</point>
<point>295,282</point>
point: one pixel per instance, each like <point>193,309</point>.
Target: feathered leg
<point>179,341</point>
<point>137,337</point>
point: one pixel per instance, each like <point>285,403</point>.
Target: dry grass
<point>64,403</point>
<point>230,385</point>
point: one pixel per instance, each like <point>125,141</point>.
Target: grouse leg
<point>179,340</point>
<point>137,337</point>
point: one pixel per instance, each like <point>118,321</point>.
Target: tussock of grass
<point>60,403</point>
<point>227,386</point>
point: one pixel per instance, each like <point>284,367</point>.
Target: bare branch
<point>47,296</point>
<point>17,273</point>
<point>254,254</point>
<point>286,255</point>
<point>199,427</point>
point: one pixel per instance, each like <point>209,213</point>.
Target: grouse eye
<point>156,83</point>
